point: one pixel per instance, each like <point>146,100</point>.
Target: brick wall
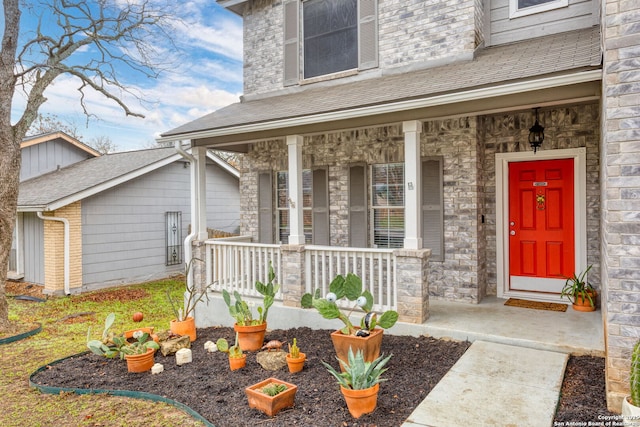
<point>468,146</point>
<point>410,34</point>
<point>54,249</point>
<point>621,191</point>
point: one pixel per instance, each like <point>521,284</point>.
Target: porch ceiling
<point>550,70</point>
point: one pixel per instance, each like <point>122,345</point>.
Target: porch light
<point>536,134</point>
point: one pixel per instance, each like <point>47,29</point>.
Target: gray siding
<point>123,234</point>
<point>48,156</point>
<point>33,234</point>
<point>502,29</point>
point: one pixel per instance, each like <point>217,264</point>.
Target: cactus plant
<point>635,375</point>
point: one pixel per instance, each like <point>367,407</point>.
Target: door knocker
<point>540,201</point>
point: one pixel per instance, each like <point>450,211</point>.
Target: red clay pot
<point>370,345</point>
<point>236,363</point>
<point>140,362</point>
<point>251,338</point>
<point>271,405</point>
<point>185,327</point>
<point>361,402</point>
<point>583,304</point>
<point>296,365</point>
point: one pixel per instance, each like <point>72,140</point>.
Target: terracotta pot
<point>140,362</point>
<point>630,412</point>
<point>148,329</point>
<point>251,338</point>
<point>361,402</point>
<point>185,327</point>
<point>370,345</point>
<point>296,365</point>
<point>270,405</point>
<point>583,304</point>
<point>236,363</point>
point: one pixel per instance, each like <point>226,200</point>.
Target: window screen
<point>330,30</point>
<point>387,205</point>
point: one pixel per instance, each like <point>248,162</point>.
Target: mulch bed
<point>211,389</point>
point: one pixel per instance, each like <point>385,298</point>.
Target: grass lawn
<point>65,321</point>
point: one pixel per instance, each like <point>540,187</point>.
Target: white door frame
<point>579,156</point>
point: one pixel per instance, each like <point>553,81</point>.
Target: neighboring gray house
<point>87,220</point>
<point>396,139</point>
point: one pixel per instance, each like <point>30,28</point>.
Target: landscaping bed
<point>211,389</point>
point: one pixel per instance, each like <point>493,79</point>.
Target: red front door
<point>541,224</point>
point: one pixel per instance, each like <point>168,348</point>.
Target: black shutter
<point>357,207</point>
<point>265,207</point>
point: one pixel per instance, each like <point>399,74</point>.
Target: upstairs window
<point>330,29</point>
<point>519,8</point>
<point>336,35</point>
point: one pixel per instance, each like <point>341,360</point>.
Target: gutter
<point>65,221</point>
<point>188,253</point>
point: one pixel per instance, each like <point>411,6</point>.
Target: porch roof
<point>552,57</point>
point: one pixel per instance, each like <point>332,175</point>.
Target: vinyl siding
<point>502,29</point>
<point>48,156</point>
<point>124,228</point>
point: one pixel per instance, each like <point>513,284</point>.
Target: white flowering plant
<point>349,287</point>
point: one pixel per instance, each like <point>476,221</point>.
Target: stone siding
<point>468,146</point>
<point>410,34</point>
<point>620,184</point>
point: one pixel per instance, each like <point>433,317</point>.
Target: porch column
<point>200,154</point>
<point>412,266</point>
<point>293,274</point>
<point>412,185</point>
<point>296,221</point>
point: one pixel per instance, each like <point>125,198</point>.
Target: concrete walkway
<point>495,385</point>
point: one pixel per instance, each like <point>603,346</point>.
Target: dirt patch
<point>120,294</point>
<point>211,389</point>
<point>14,289</point>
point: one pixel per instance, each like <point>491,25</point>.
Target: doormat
<point>536,305</point>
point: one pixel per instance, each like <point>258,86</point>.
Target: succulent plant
<point>635,375</point>
<point>349,287</point>
<point>294,351</point>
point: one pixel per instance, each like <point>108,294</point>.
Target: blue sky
<point>208,75</point>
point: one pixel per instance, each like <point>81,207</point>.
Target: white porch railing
<point>235,264</point>
<point>376,268</point>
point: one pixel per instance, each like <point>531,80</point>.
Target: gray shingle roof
<point>549,55</point>
<point>66,182</point>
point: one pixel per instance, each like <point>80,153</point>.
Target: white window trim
<point>514,12</point>
<point>287,207</point>
<point>373,207</point>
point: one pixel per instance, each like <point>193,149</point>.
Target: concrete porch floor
<point>492,321</point>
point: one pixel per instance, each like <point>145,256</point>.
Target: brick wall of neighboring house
<point>410,34</point>
<point>621,191</point>
<point>468,147</point>
<point>54,249</point>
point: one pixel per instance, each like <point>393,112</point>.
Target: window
<point>282,205</point>
<point>527,7</point>
<point>173,222</point>
<point>387,205</point>
<point>330,40</point>
<point>336,35</point>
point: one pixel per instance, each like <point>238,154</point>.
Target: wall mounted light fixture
<point>536,134</point>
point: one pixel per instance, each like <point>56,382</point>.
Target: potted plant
<point>631,403</point>
<point>367,337</point>
<point>184,323</point>
<point>139,353</point>
<point>237,359</point>
<point>271,395</point>
<point>580,292</point>
<point>360,381</point>
<point>295,358</point>
<point>252,329</point>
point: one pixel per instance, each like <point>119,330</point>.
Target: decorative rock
<point>210,346</point>
<point>173,345</point>
<point>183,356</point>
<point>272,360</point>
<point>157,368</point>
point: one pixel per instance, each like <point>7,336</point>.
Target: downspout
<point>194,212</point>
<point>65,221</point>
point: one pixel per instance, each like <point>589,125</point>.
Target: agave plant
<point>358,374</point>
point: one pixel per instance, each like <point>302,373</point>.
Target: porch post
<point>296,222</point>
<point>200,154</point>
<point>412,184</point>
<point>293,274</point>
<point>412,266</point>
